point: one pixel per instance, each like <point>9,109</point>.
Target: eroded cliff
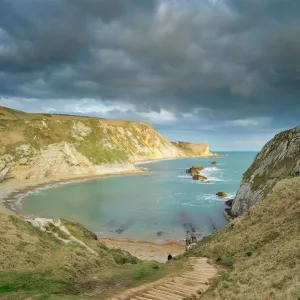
<point>279,159</point>
<point>37,146</point>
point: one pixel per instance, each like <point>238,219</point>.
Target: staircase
<point>193,282</point>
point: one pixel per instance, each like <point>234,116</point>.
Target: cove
<point>157,206</point>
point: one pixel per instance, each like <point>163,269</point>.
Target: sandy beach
<point>145,250</point>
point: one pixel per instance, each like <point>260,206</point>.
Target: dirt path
<point>193,282</point>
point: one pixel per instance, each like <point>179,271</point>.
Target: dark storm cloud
<point>208,61</point>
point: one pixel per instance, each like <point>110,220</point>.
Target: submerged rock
<point>213,163</point>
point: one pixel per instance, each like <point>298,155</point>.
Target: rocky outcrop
<point>46,146</point>
<point>221,194</point>
<point>279,159</point>
<point>195,173</point>
<point>194,169</point>
<point>199,177</point>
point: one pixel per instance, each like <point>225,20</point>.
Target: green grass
<point>259,252</point>
<point>33,282</point>
<point>51,227</point>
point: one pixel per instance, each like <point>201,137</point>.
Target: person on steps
<point>193,237</point>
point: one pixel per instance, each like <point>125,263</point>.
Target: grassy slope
<point>260,250</point>
<point>35,265</point>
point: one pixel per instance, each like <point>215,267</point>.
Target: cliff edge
<point>279,159</point>
<point>41,146</point>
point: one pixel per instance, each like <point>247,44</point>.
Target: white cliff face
<point>280,158</point>
<point>50,146</point>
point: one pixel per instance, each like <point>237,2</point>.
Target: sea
<point>157,206</point>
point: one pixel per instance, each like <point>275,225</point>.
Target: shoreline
<point>11,193</point>
<point>150,160</point>
<point>13,188</point>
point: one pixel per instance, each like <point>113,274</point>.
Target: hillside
<point>37,146</point>
<point>63,260</point>
<point>258,252</point>
<point>279,158</point>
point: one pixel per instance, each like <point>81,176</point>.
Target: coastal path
<point>184,286</point>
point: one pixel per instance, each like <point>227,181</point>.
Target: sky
<point>226,72</point>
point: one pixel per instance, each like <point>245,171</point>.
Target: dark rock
<point>213,163</point>
<point>159,233</point>
<point>229,202</point>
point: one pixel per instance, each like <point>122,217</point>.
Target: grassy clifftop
<point>100,140</point>
<point>40,265</point>
<point>37,146</point>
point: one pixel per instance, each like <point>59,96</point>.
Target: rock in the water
<point>213,163</point>
<point>194,169</point>
<point>221,194</point>
<point>199,177</point>
<point>159,233</point>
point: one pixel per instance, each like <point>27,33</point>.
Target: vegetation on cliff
<point>39,265</point>
<point>258,253</point>
<point>36,146</point>
<point>279,159</point>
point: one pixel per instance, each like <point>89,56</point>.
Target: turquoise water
<point>156,206</point>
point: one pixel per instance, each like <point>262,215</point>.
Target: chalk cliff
<point>279,159</point>
<point>37,146</point>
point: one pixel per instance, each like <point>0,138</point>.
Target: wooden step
<point>168,295</point>
<point>174,290</point>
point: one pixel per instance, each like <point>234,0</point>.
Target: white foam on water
<point>184,176</point>
<point>210,197</point>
